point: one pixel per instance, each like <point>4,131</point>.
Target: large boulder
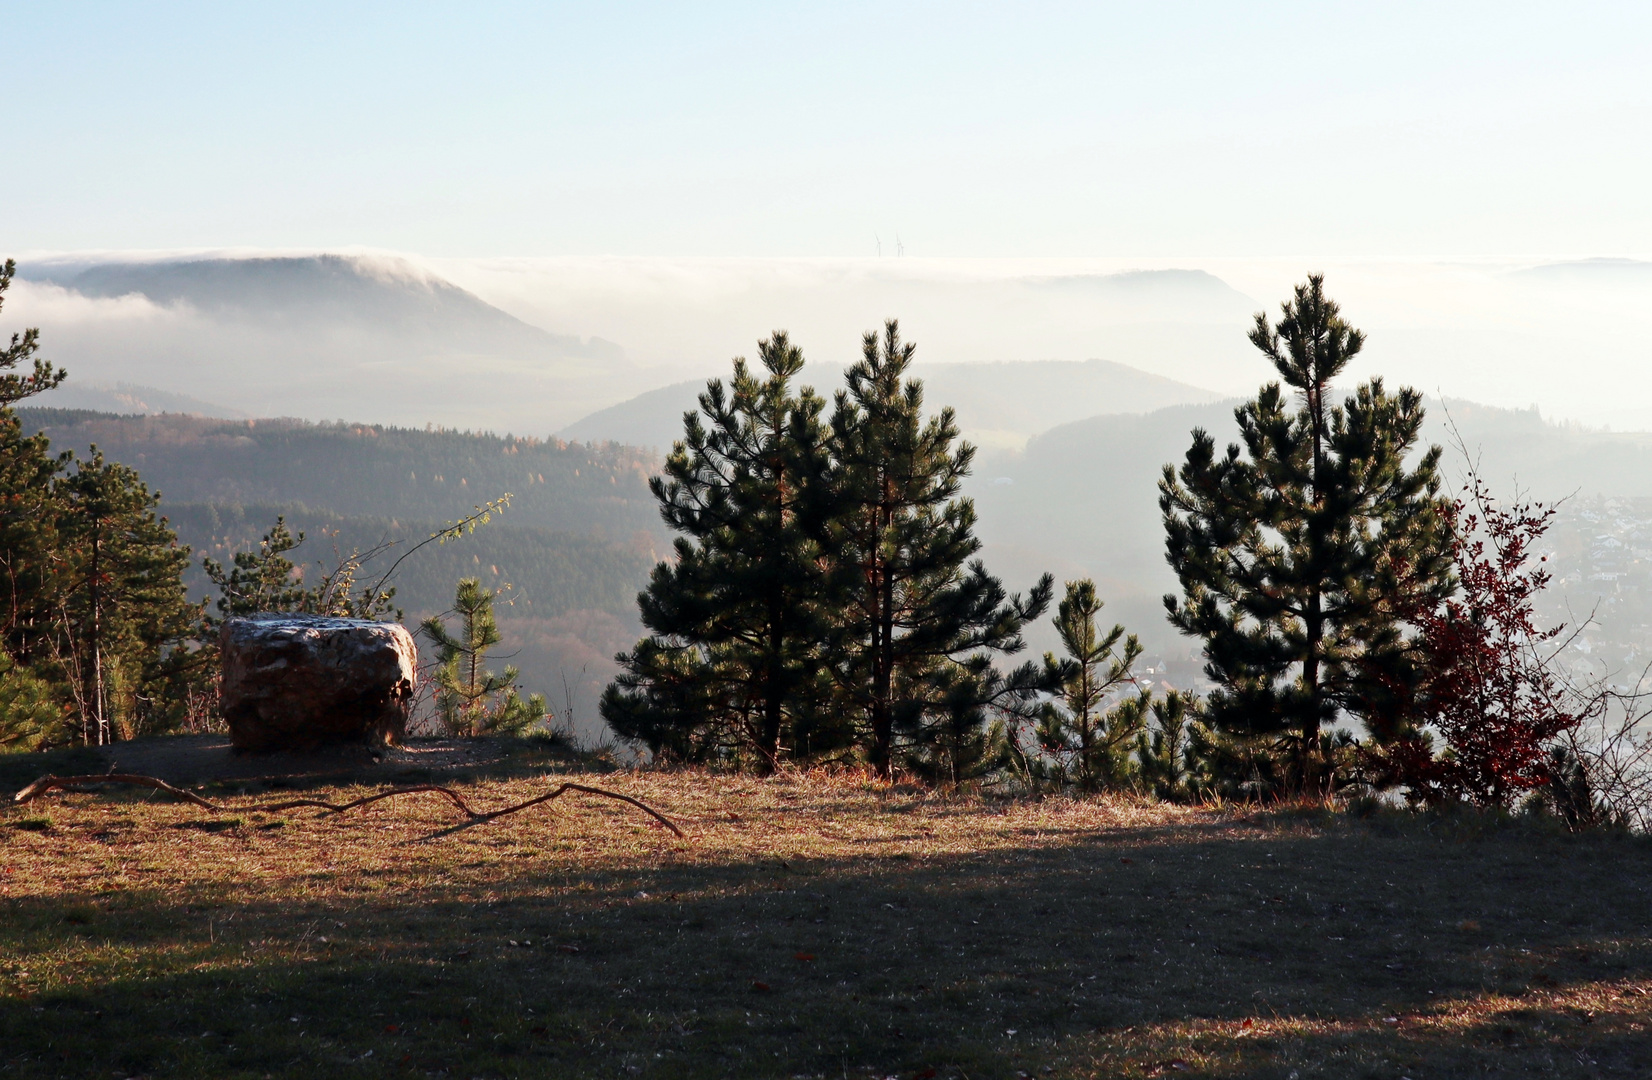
<point>294,682</point>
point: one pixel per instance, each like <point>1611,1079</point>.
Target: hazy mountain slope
<point>1006,403</point>
<point>1082,499</point>
<point>998,404</point>
<point>322,336</point>
<point>695,313</point>
<point>1594,272</point>
<point>130,399</point>
<point>379,294</point>
<point>653,419</point>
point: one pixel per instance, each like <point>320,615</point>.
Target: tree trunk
<point>1310,683</point>
<point>773,715</point>
<point>100,717</point>
<point>1316,617</point>
<point>883,720</point>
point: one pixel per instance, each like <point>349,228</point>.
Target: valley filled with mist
<point>370,399</point>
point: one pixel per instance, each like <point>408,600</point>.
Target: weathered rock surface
<point>295,682</point>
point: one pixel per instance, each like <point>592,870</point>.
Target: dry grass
<point>814,926</point>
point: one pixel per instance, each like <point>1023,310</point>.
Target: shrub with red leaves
<point>1487,687</point>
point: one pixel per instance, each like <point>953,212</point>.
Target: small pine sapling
<point>255,581</point>
<point>1172,756</point>
<point>471,700</point>
<point>1085,733</point>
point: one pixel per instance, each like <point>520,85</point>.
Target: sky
<point>1030,130</point>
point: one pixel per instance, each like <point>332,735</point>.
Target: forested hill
<point>373,471</point>
<point>574,547</point>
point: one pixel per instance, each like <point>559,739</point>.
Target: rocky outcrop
<point>294,682</point>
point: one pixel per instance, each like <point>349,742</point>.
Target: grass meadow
<point>819,925</point>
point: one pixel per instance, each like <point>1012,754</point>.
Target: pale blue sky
<point>1145,129</point>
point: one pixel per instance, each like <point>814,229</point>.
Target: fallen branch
<point>51,783</point>
<point>54,783</point>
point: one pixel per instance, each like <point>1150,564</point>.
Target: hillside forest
<point>815,590</point>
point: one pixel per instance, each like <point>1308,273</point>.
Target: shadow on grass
<point>17,771</point>
<point>207,764</point>
<point>1381,948</point>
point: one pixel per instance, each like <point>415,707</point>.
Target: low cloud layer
<point>1572,336</point>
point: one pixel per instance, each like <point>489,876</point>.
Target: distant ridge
<point>130,400</point>
<point>1000,404</point>
<point>374,291</point>
<point>1172,286</point>
<point>1592,271</point>
<point>322,336</point>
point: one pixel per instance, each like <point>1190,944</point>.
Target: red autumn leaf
<point>924,1074</point>
<point>805,956</point>
<point>567,948</point>
<point>391,1029</point>
<point>756,985</point>
<point>1126,861</point>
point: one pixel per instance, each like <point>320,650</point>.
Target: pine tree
<point>731,669</point>
<point>470,699</point>
<point>918,618</point>
<point>28,518</point>
<point>1174,755</point>
<point>30,714</point>
<point>1089,738</point>
<point>262,580</point>
<point>1297,552</point>
<point>123,618</point>
<point>42,375</point>
<point>96,624</point>
<point>29,572</point>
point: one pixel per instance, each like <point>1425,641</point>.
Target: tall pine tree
<point>28,518</point>
<point>123,618</point>
<point>917,616</point>
<point>1298,550</point>
<point>731,669</point>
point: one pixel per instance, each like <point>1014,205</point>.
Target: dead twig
<point>54,783</point>
<point>638,803</point>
